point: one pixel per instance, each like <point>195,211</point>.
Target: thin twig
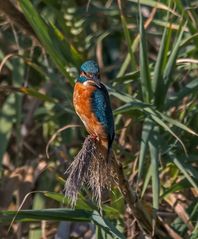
<point>21,205</point>
<point>55,135</point>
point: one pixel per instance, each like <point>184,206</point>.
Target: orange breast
<point>82,104</point>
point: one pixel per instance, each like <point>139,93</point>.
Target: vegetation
<point>148,60</point>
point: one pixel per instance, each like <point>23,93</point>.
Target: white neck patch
<point>88,82</point>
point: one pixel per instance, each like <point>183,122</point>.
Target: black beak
<point>96,81</point>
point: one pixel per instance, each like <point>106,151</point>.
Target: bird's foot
<point>94,137</point>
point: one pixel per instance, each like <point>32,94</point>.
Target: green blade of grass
<point>124,97</point>
<point>127,77</point>
<point>158,118</point>
<point>100,233</point>
<point>148,109</point>
<point>146,181</point>
<point>190,88</point>
<point>146,131</point>
<point>134,46</point>
<point>167,128</point>
<point>183,184</point>
<point>170,66</point>
<point>59,214</point>
<point>48,38</point>
<point>187,164</point>
<point>158,81</point>
<point>36,94</point>
<point>80,204</point>
<point>177,124</point>
<point>106,225</point>
<point>38,68</point>
<point>38,203</point>
<point>192,28</point>
<point>156,4</point>
<point>127,37</point>
<point>67,49</point>
<point>157,76</point>
<point>154,153</point>
<point>138,105</point>
<point>65,31</point>
<point>183,169</point>
<point>144,66</point>
<point>126,62</point>
<point>188,39</point>
<point>28,91</point>
<point>168,25</point>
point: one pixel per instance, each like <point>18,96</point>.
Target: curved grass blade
<point>156,4</point>
<point>188,39</point>
<point>183,184</point>
<point>156,115</point>
<point>147,108</point>
<point>28,91</point>
<point>188,89</point>
<point>192,171</point>
<point>168,25</point>
<point>166,127</point>
<point>182,168</point>
<point>106,225</point>
<point>177,124</point>
<point>121,96</point>
<point>136,105</point>
<point>80,204</point>
<point>127,77</point>
<point>38,68</point>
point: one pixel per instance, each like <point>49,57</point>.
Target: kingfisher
<point>92,104</point>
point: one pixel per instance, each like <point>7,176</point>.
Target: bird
<point>92,104</point>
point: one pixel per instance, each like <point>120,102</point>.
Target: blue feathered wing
<point>102,109</point>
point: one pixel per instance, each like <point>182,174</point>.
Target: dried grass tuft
<point>91,168</point>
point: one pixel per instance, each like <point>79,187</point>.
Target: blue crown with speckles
<point>90,66</point>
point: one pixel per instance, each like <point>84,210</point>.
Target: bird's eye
<point>87,74</point>
<point>90,75</point>
<point>82,73</point>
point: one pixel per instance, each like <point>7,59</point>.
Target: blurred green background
<point>148,61</point>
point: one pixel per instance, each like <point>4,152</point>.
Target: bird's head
<point>89,73</point>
